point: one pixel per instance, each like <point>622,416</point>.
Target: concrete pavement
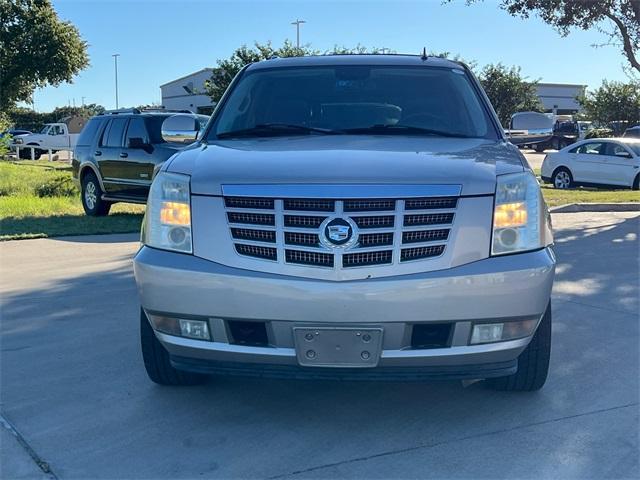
<point>74,386</point>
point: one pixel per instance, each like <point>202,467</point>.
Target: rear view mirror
<point>181,128</point>
<point>528,128</point>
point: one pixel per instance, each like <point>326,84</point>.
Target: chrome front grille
<point>296,231</point>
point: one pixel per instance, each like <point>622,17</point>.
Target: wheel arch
<point>562,166</point>
<point>85,168</point>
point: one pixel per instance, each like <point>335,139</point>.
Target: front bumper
<point>491,290</point>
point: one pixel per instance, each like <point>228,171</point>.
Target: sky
<point>159,41</point>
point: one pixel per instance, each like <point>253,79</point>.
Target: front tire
<point>156,359</point>
<point>91,195</point>
<point>562,179</point>
<point>533,362</point>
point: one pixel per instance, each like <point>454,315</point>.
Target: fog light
<point>498,332</point>
<point>197,329</point>
<point>488,332</point>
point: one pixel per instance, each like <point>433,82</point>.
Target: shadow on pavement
<point>74,384</point>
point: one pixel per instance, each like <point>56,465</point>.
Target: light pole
<point>115,61</point>
<point>297,23</point>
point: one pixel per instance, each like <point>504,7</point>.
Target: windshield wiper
<point>270,129</point>
<point>402,130</point>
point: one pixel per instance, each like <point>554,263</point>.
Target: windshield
<point>353,99</point>
<point>45,129</point>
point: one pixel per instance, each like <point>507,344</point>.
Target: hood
<point>348,159</point>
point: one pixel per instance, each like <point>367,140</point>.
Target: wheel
<point>636,183</point>
<point>91,194</point>
<point>562,179</point>
<point>156,359</point>
<point>25,153</point>
<point>533,362</point>
<point>540,147</point>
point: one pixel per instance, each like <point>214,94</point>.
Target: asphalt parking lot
<point>74,387</point>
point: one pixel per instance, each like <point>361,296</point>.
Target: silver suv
<point>353,217</point>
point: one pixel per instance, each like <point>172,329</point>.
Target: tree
<point>508,91</point>
<point>618,19</point>
<point>229,68</point>
<point>613,102</point>
<point>21,117</point>
<point>36,49</point>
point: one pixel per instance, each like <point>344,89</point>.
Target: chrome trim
<point>344,192</point>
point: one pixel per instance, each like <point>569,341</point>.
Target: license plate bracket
<point>338,346</point>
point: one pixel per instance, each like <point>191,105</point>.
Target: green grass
<point>23,214</point>
<point>555,197</point>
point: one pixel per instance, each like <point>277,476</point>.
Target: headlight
<point>519,214</point>
<point>18,140</point>
<point>168,215</point>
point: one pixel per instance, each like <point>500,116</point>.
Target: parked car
<point>610,162</point>
<point>117,152</point>
<point>62,135</point>
<point>348,216</point>
<point>632,132</point>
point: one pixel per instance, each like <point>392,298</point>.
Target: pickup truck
<point>62,135</point>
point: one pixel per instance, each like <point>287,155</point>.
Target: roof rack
<point>168,110</point>
<point>137,111</point>
<point>121,110</point>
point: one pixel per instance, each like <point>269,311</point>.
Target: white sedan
<point>595,162</point>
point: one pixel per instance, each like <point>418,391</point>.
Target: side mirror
<point>136,142</point>
<point>181,128</point>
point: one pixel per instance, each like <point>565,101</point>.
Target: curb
<point>597,207</point>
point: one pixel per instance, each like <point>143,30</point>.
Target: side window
<point>592,148</point>
<point>617,149</point>
<point>113,134</point>
<point>136,129</point>
<point>89,132</point>
<point>56,130</point>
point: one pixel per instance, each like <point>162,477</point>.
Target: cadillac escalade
<point>348,216</point>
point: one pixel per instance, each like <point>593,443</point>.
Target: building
<point>560,98</point>
<point>187,93</point>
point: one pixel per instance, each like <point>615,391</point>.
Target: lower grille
<point>301,257</point>
<point>366,258</point>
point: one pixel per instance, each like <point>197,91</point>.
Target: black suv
<point>117,153</point>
